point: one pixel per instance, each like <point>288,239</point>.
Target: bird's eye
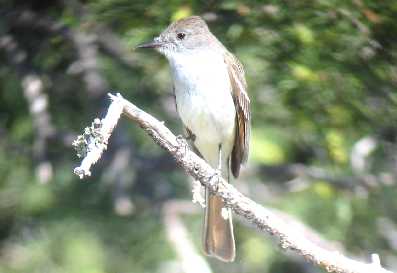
<point>181,35</point>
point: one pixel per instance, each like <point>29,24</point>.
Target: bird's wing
<point>243,116</point>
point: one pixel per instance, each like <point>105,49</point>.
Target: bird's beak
<point>153,44</point>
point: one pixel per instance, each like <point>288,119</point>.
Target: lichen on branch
<point>94,143</point>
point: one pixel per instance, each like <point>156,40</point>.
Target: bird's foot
<point>181,139</point>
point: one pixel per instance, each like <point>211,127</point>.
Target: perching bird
<point>212,101</point>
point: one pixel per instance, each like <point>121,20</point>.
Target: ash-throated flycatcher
<point>212,101</point>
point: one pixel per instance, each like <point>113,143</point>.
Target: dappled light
<point>322,82</point>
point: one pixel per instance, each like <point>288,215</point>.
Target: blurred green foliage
<point>322,77</point>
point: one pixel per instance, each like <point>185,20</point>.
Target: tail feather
<point>218,237</point>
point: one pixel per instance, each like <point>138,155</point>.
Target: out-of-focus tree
<point>322,79</point>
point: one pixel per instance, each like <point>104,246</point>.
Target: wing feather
<point>243,112</point>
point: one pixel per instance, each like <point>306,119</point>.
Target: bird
<point>212,101</point>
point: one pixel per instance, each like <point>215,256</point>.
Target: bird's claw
<point>180,138</point>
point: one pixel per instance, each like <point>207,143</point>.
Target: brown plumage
<point>188,39</point>
<point>243,113</point>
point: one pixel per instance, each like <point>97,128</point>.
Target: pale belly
<point>206,106</point>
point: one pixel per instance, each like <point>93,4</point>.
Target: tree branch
<point>100,36</point>
<point>34,93</point>
<point>93,143</point>
<point>190,260</point>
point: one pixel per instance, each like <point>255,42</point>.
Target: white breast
<point>204,100</point>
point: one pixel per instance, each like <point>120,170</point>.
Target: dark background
<point>322,79</point>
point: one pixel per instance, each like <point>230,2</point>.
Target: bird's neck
<point>198,66</point>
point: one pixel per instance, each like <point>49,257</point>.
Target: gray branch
<point>93,143</point>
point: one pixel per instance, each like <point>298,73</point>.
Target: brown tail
<point>218,232</point>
